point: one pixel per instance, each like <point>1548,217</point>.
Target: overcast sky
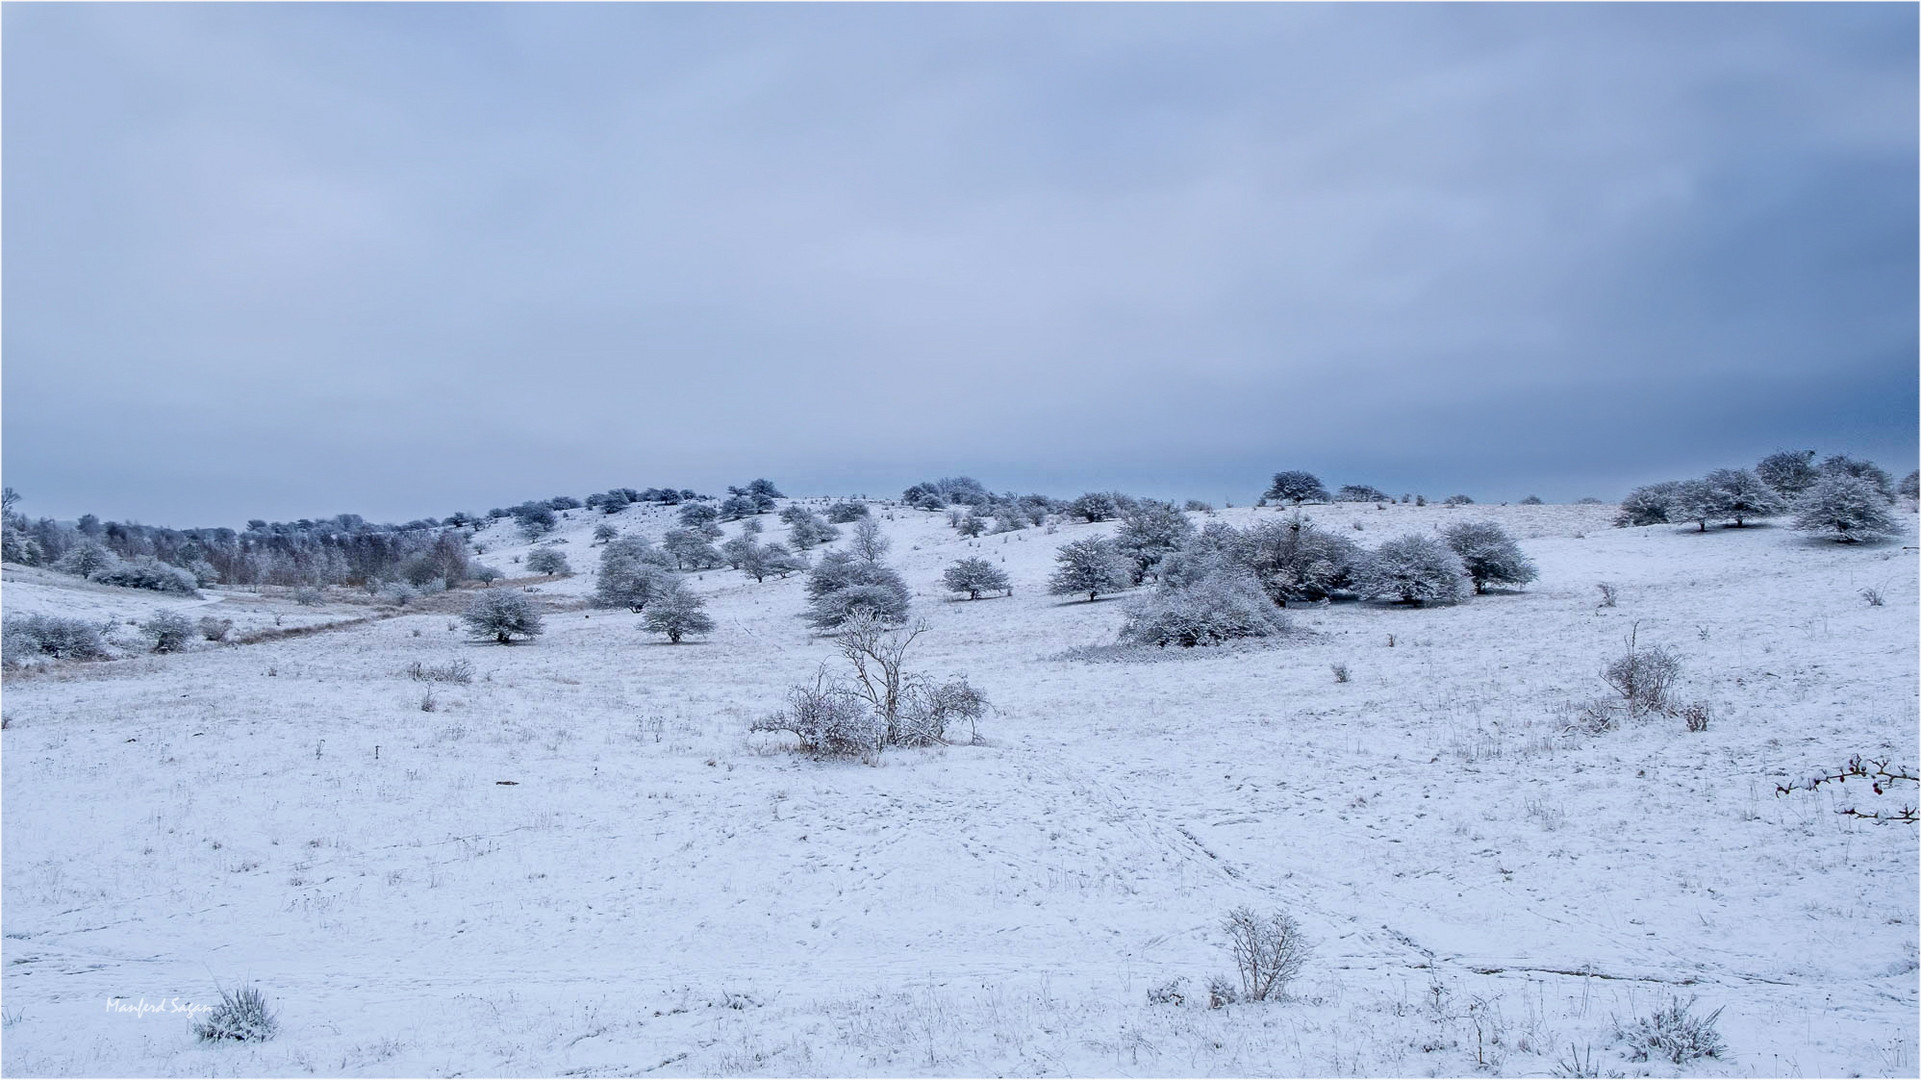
<point>292,260</point>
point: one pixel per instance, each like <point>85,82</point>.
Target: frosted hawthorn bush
<point>1221,607</point>
<point>1412,569</point>
<point>170,631</point>
<point>1649,504</point>
<point>1844,508</point>
<point>1789,472</point>
<point>1090,566</point>
<point>503,615</point>
<point>842,583</point>
<point>1294,560</point>
<point>1489,555</point>
<point>548,560</point>
<point>51,635</point>
<point>1295,487</point>
<point>678,612</point>
<point>975,576</point>
<point>1149,531</point>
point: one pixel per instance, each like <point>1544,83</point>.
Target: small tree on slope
<point>1489,555</point>
<point>503,615</point>
<point>974,577</point>
<point>678,612</point>
<point>1090,566</point>
<point>1845,508</point>
<point>1413,569</point>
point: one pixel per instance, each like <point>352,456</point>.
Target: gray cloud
<point>288,260</point>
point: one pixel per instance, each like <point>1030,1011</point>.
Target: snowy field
<point>584,863</point>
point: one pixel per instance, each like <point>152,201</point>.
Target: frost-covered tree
<point>735,507</point>
<point>630,575</point>
<point>1789,472</point>
<point>1457,500</point>
<point>970,525</point>
<point>763,492</point>
<point>923,497</point>
<point>85,559</point>
<point>1531,500</point>
<point>762,561</point>
<point>604,532</point>
<point>974,577</point>
<point>679,612</point>
<point>1413,569</point>
<point>535,520</point>
<point>1649,504</point>
<point>846,512</point>
<point>1222,606</point>
<point>16,546</point>
<point>147,572</point>
<point>1297,561</point>
<point>1489,555</point>
<point>1295,487</point>
<point>547,559</point>
<point>807,529</point>
<point>842,583</point>
<point>867,542</point>
<point>1911,485</point>
<point>1096,506</point>
<point>698,515</point>
<point>1843,465</point>
<point>1847,509</point>
<point>1090,566</point>
<point>1149,531</point>
<point>1695,501</point>
<point>1361,493</point>
<point>1740,495</point>
<point>502,614</point>
<point>690,549</point>
<point>736,551</point>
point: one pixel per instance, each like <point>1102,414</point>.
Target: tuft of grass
<point>1673,1033</point>
<point>241,1016</point>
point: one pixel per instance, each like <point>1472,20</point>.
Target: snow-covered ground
<point>584,863</point>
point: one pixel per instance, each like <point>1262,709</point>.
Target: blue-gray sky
<point>290,260</point>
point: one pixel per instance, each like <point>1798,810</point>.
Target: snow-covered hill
<point>584,863</point>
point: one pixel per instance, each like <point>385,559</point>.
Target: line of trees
<point>1845,499</point>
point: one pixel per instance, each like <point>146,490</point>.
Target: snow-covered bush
<point>1150,530</point>
<point>843,513</point>
<point>1413,569</point>
<point>547,559</point>
<point>1649,504</point>
<point>604,532</point>
<point>170,630</point>
<point>86,559</point>
<point>483,573</point>
<point>1844,508</point>
<point>1531,500</point>
<point>1296,561</point>
<point>929,709</point>
<point>1096,506</point>
<point>1269,951</point>
<point>1457,500</point>
<point>1090,566</point>
<point>678,612</point>
<point>761,561</point>
<point>1643,677</point>
<point>1673,1034</point>
<point>970,525</point>
<point>503,615</point>
<point>697,515</point>
<point>1361,493</point>
<point>1489,555</point>
<point>1295,486</point>
<point>975,576</point>
<point>1740,495</point>
<point>397,593</point>
<point>807,529</point>
<point>842,583</point>
<point>147,572</point>
<point>307,596</point>
<point>213,629</point>
<point>827,719</point>
<point>1220,607</point>
<point>1789,472</point>
<point>241,1016</point>
<point>51,635</point>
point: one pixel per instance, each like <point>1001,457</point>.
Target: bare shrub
<point>1696,715</point>
<point>455,671</point>
<point>1643,677</point>
<point>1168,993</point>
<point>1221,993</point>
<point>1341,673</point>
<point>1268,951</point>
<point>1673,1033</point>
<point>828,719</point>
<point>1608,597</point>
<point>241,1016</point>
<point>1873,597</point>
<point>929,710</point>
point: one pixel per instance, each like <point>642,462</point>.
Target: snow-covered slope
<point>584,863</point>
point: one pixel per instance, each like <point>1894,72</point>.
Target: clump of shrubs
<point>1220,607</point>
<point>214,629</point>
<point>147,572</point>
<point>27,636</point>
<point>1412,569</point>
<point>878,703</point>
